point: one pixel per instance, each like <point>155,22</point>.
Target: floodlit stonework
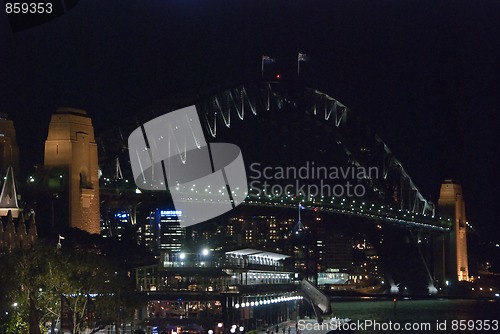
<point>71,146</point>
<point>9,151</point>
<point>451,205</point>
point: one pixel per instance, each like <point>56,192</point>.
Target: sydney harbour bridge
<point>282,127</point>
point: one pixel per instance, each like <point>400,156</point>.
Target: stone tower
<point>9,151</point>
<point>451,205</point>
<point>70,147</point>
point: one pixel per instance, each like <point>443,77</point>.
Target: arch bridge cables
<point>410,197</point>
<point>222,108</point>
<point>244,100</point>
<point>236,103</point>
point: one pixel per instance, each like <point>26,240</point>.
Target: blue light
<point>122,215</point>
<point>170,213</point>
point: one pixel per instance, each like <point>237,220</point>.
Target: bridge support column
<point>451,205</point>
<point>71,148</point>
<point>439,253</point>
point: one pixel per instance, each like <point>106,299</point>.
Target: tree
<point>22,279</point>
<point>90,285</point>
<point>97,292</point>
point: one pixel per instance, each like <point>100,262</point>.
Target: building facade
<point>245,288</point>
<point>9,151</point>
<point>17,229</point>
<point>71,158</point>
<point>451,205</point>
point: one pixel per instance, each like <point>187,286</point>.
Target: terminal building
<point>246,288</point>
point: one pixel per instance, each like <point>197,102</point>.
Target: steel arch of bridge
<point>234,103</point>
<point>220,109</point>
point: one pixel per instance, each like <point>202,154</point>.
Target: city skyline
<point>436,63</point>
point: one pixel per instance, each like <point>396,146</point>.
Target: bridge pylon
<point>452,264</point>
<point>71,152</point>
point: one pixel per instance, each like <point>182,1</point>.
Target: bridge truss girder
<point>221,109</point>
<point>236,103</point>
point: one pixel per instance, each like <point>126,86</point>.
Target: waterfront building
<point>245,287</point>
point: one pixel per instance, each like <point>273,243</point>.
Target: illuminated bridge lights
<point>267,301</point>
<point>330,204</point>
<point>369,210</point>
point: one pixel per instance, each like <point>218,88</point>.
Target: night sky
<point>425,74</point>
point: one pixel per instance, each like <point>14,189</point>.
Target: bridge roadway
<point>361,209</point>
<point>342,206</point>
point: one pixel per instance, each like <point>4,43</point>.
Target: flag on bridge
<point>267,60</point>
<point>301,206</point>
<point>303,57</point>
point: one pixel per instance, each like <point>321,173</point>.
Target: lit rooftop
<point>259,253</point>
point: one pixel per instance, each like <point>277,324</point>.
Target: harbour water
<point>418,316</point>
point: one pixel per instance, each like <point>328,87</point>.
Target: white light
<point>205,252</point>
<point>219,325</point>
<point>182,256</point>
<point>233,330</point>
<point>237,305</point>
<point>210,331</point>
<point>242,328</point>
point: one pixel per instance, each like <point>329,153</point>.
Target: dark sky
<point>425,74</point>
